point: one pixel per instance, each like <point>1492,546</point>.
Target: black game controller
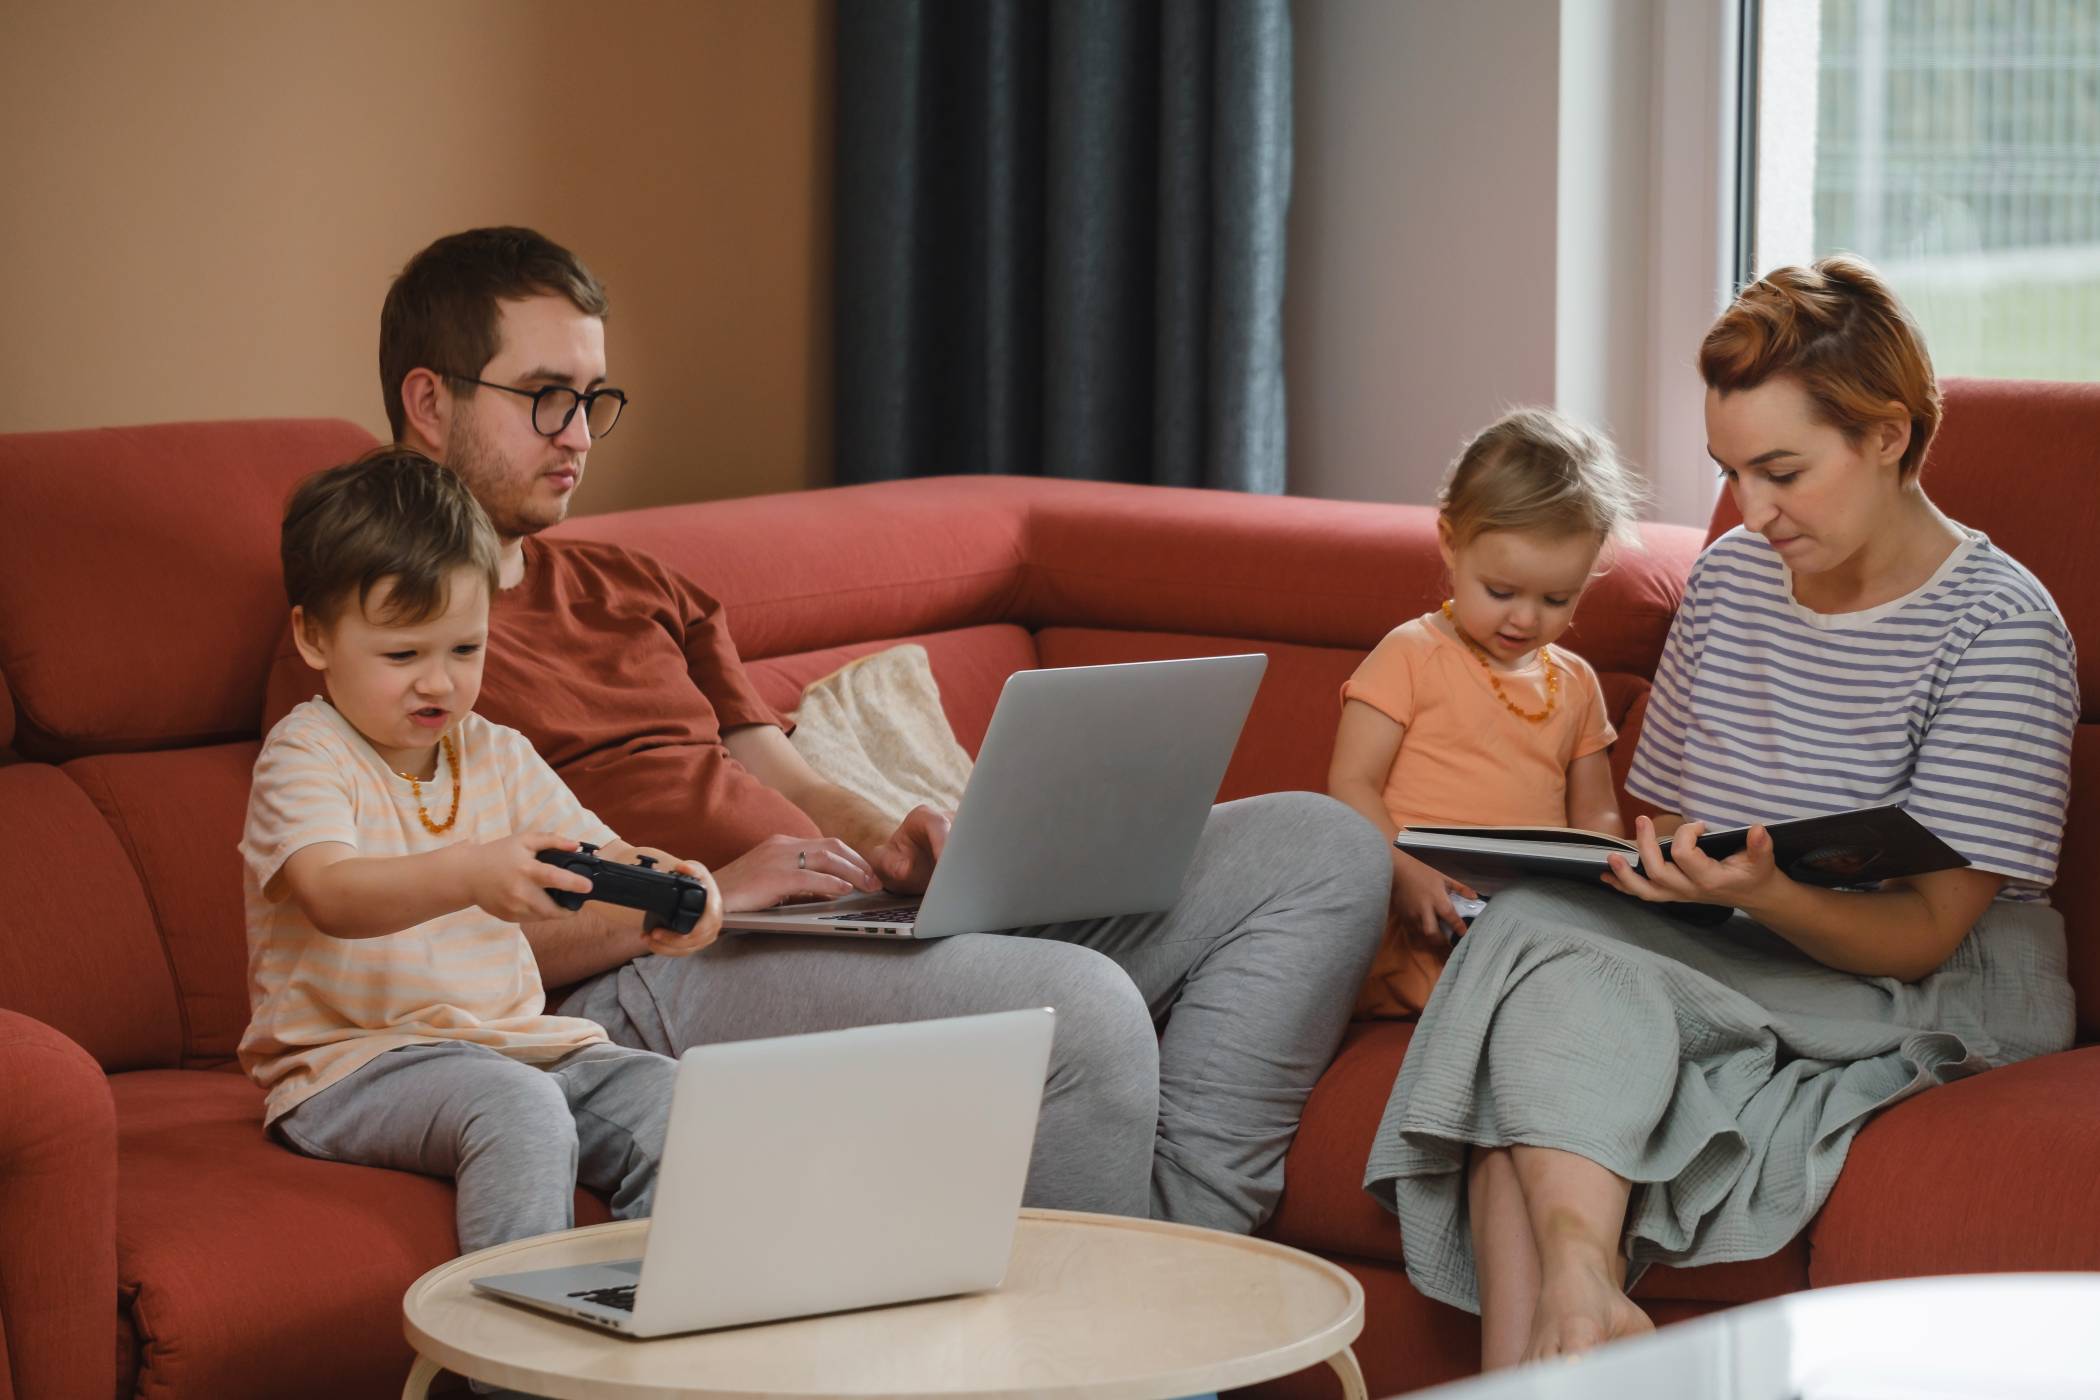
<point>666,898</point>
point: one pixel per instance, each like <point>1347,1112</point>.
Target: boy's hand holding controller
<point>665,941</point>
<point>345,895</point>
<point>508,880</point>
<point>547,878</point>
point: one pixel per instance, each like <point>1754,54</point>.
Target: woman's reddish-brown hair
<point>1837,330</point>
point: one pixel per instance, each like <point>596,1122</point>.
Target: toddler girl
<point>1470,715</point>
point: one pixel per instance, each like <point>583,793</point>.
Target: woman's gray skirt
<point>1720,1070</point>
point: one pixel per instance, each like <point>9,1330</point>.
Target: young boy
<point>392,884</point>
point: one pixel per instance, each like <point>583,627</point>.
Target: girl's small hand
<point>1690,876</point>
<point>1421,901</point>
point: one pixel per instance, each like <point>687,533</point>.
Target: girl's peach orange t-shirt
<point>1466,760</point>
<point>323,1007</point>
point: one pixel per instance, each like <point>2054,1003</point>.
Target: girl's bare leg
<point>1505,1256</point>
<point>1578,1211</point>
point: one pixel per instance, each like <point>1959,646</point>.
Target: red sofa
<point>153,1241</point>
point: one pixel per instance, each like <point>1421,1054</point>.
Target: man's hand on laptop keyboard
<point>904,861</point>
<point>790,869</point>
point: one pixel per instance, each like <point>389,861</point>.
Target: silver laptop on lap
<point>815,1173</point>
<point>1087,799</point>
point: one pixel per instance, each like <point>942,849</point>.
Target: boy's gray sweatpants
<point>1187,1040</point>
<point>516,1138</point>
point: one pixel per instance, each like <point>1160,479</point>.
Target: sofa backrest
<point>79,948</point>
<point>141,595</point>
<point>140,604</point>
<point>1101,572</point>
<point>2020,461</point>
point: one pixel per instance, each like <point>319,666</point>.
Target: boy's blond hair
<point>1532,469</point>
<point>391,514</point>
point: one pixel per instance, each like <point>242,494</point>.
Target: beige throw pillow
<point>876,728</point>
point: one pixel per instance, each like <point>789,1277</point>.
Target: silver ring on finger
<point>802,860</point>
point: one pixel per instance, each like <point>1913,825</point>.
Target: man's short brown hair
<point>391,514</point>
<point>441,314</point>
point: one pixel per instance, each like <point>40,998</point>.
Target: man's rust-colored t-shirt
<point>623,676</point>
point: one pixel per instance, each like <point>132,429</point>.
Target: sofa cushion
<point>237,1255</point>
<point>2077,891</point>
<point>1990,1174</point>
<point>78,950</point>
<point>799,572</point>
<point>1325,1207</point>
<point>1332,573</point>
<point>7,716</point>
<point>1627,699</point>
<point>862,563</point>
<point>179,815</point>
<point>970,665</point>
<point>181,586</point>
<point>58,1201</point>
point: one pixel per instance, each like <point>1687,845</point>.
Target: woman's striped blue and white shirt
<point>1957,700</point>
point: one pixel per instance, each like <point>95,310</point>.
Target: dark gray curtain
<point>1061,239</point>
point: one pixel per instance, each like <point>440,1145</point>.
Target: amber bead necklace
<point>415,785</point>
<point>1480,654</point>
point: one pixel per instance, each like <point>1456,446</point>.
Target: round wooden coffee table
<point>1093,1306</point>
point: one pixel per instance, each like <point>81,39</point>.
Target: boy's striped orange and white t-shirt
<point>322,1007</point>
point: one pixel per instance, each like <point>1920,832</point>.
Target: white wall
<point>1421,278</point>
<point>1501,202</point>
<point>1600,332</point>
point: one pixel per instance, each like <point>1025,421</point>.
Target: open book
<point>1838,849</point>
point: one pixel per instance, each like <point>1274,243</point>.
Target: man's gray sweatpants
<point>1187,1041</point>
<point>516,1138</point>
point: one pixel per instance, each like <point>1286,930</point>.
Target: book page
<point>1569,835</point>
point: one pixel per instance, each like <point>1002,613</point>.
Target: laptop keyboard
<point>621,1297</point>
<point>881,916</point>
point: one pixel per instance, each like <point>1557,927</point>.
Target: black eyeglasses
<point>555,405</point>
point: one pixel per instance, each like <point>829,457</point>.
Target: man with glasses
<point>624,677</point>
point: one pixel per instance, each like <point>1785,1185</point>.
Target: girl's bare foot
<point>1581,1305</point>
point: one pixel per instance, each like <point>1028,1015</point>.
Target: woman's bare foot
<point>1581,1305</point>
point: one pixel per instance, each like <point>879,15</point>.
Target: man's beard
<point>506,498</point>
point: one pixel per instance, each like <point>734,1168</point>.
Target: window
<point>1956,145</point>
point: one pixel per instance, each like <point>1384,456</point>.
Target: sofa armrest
<point>1988,1175</point>
<point>58,1216</point>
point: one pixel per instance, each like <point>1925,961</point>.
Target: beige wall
<point>201,205</point>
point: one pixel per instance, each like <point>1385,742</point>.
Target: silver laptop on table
<point>1087,799</point>
<point>816,1173</point>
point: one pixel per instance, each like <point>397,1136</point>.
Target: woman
<point>1596,1086</point>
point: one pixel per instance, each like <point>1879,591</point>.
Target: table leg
<point>1343,1363</point>
<point>426,1370</point>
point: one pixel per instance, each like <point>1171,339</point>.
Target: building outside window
<point>1956,145</point>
